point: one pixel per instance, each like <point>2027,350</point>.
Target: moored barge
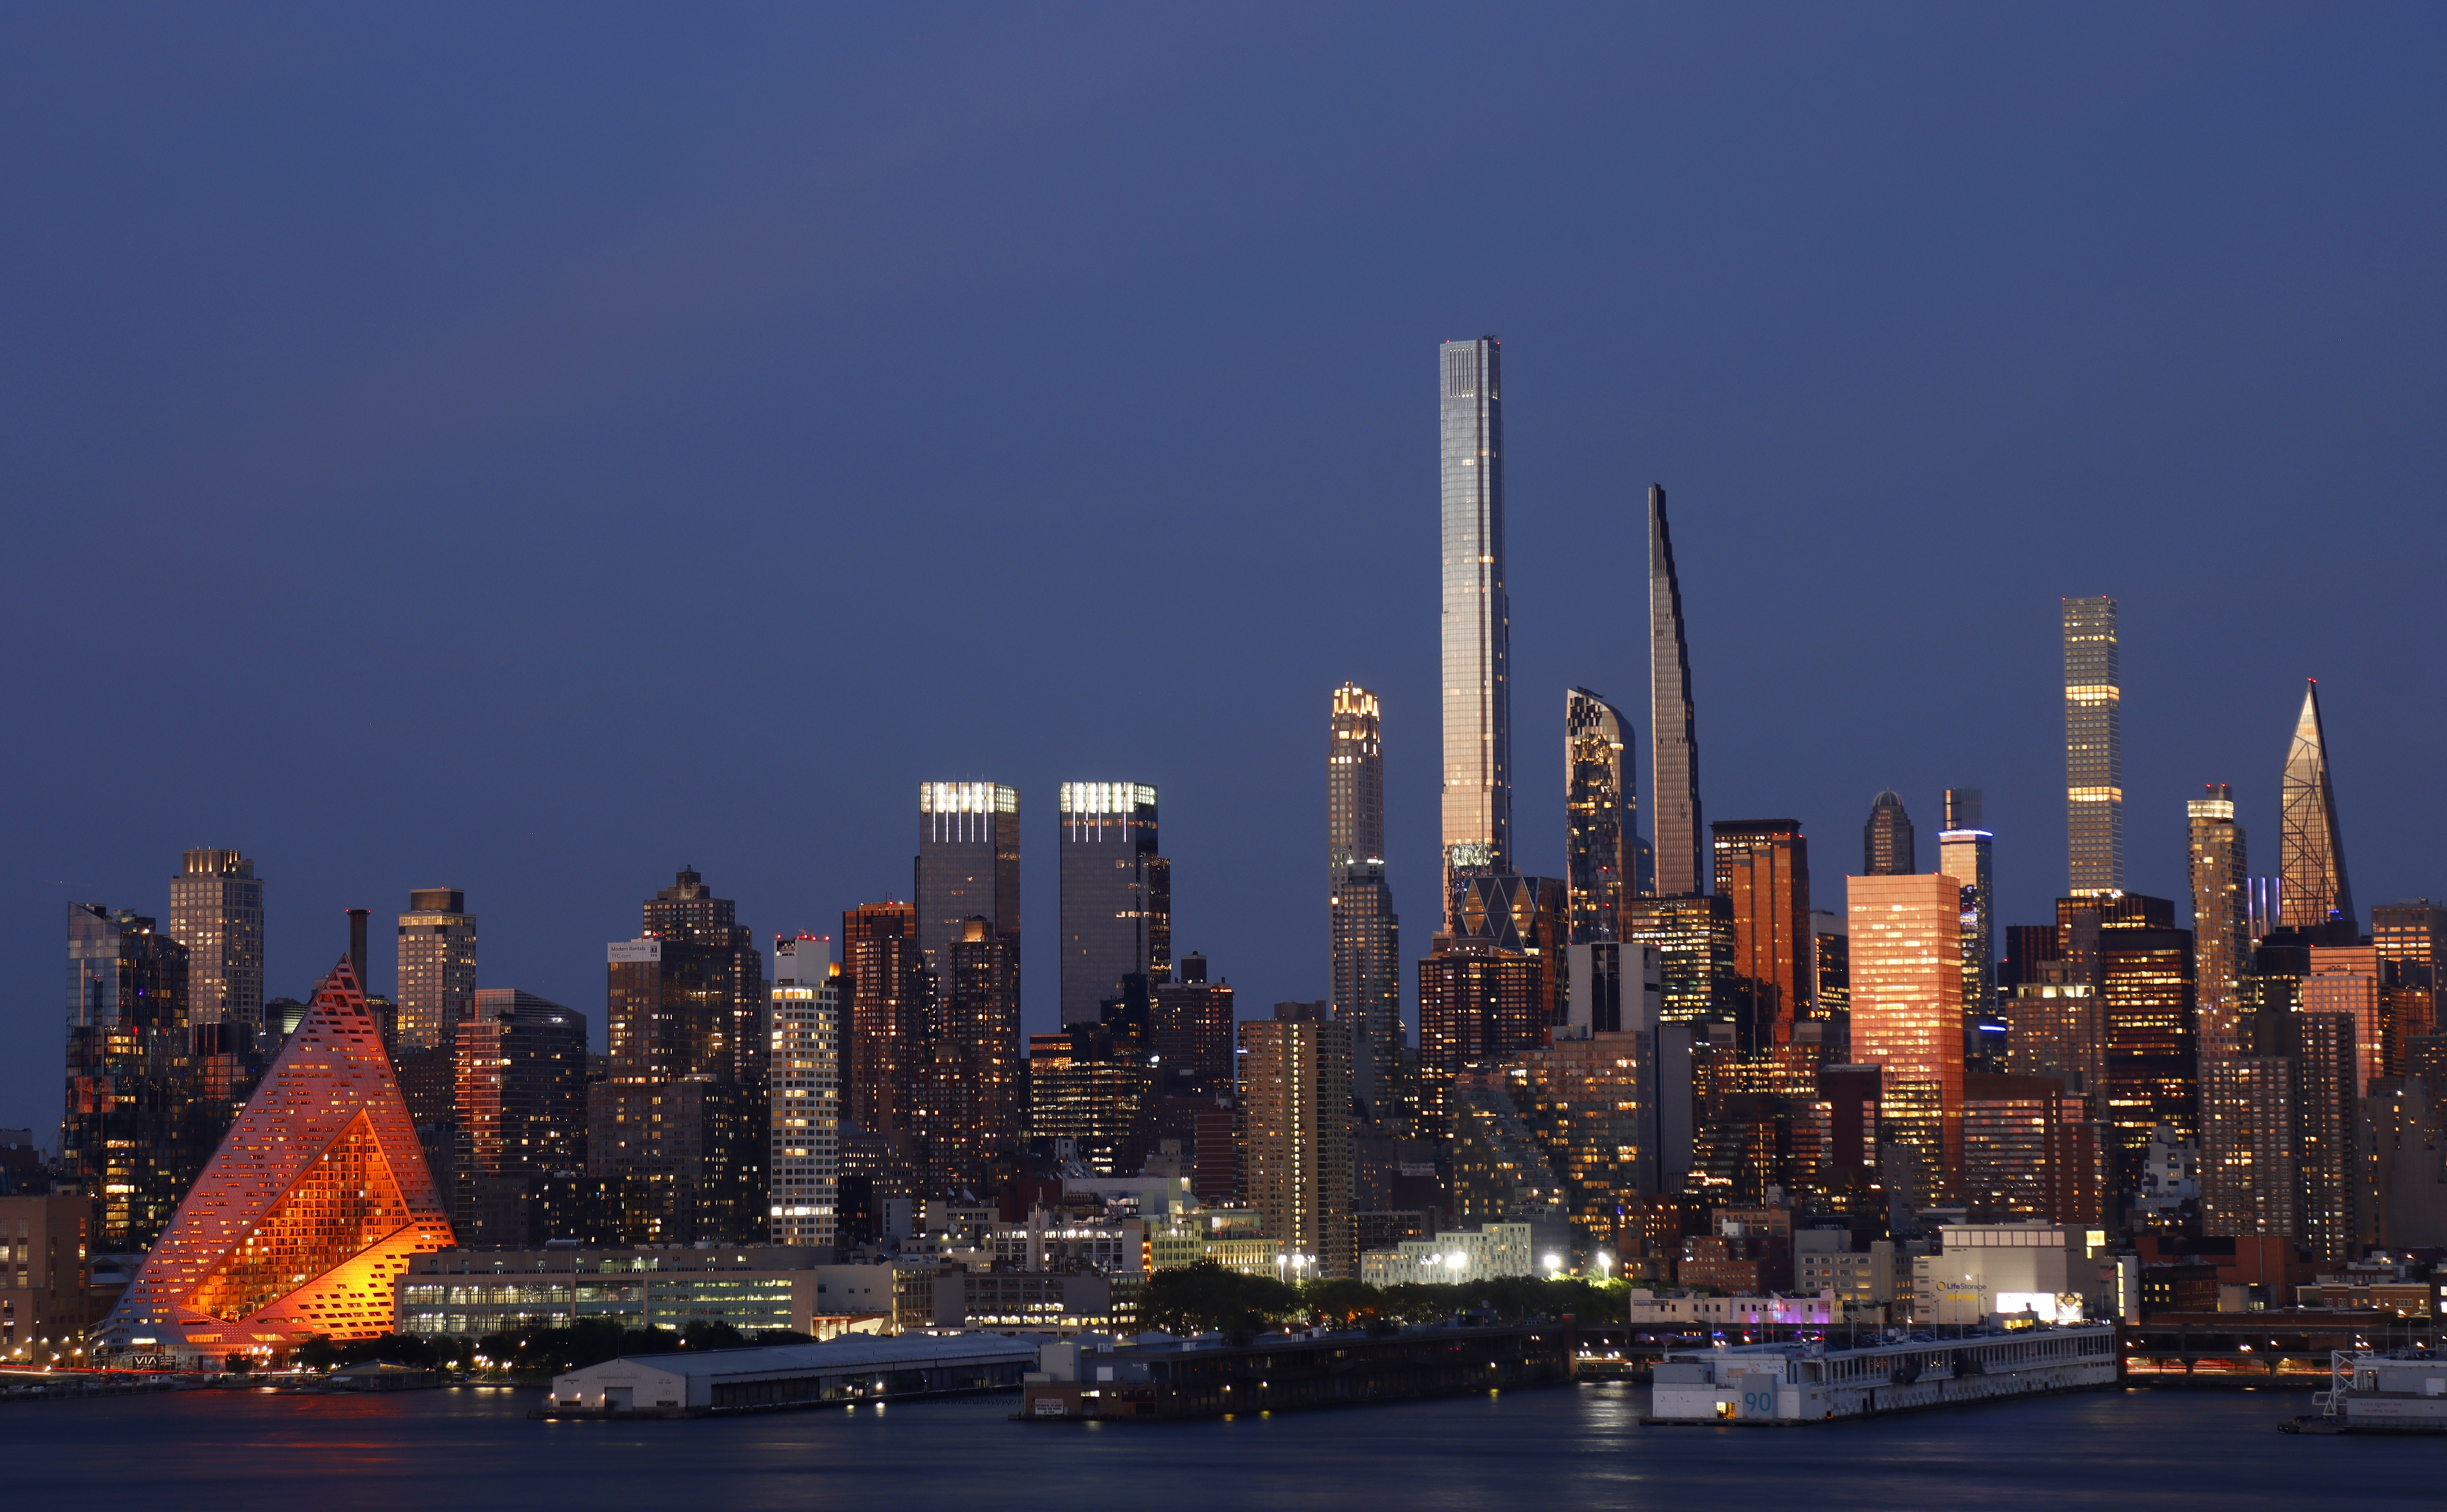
<point>1818,1380</point>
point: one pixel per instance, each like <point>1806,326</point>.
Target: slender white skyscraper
<point>1476,633</point>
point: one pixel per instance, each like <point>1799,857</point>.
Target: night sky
<point>533,449</point>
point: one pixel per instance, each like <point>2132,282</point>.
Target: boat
<point>1818,1380</point>
<point>2398,1391</point>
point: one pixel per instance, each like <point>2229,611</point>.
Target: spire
<point>310,1207</point>
<point>1673,721</point>
<point>2311,852</point>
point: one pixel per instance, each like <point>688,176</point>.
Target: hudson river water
<point>469,1450</point>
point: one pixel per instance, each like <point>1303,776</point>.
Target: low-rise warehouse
<point>696,1383</point>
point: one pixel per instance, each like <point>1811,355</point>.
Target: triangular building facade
<point>310,1208</point>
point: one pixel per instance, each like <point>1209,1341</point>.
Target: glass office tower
<point>1115,895</point>
<point>2311,853</point>
<point>2094,747</point>
<point>1599,815</point>
<point>968,866</point>
<point>1476,629</point>
<point>1763,874</point>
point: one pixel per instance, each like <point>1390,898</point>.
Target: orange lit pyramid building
<point>311,1204</point>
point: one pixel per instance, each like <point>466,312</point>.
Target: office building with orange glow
<point>1906,938</point>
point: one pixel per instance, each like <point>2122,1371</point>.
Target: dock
<point>1173,1379</point>
<point>839,1373</point>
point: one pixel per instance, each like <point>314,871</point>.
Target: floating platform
<point>1816,1381</point>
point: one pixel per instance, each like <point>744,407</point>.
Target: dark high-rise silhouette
<point>1363,934</point>
<point>1672,721</point>
<point>1601,840</point>
<point>1887,848</point>
<point>1116,894</point>
<point>968,866</point>
<point>126,1131</point>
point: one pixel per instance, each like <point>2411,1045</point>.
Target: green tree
<point>1205,1297</point>
<point>1340,1301</point>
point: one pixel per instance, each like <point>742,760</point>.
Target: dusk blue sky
<point>530,449</point>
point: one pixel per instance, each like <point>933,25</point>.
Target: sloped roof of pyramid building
<point>326,1131</point>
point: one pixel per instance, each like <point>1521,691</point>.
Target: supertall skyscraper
<point>1476,633</point>
<point>216,912</point>
<point>968,866</point>
<point>1672,721</point>
<point>1116,894</point>
<point>2094,747</point>
<point>2311,853</point>
<point>437,967</point>
<point>2221,941</point>
<point>1362,932</point>
<point>1600,818</point>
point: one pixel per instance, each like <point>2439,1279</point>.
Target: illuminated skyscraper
<point>1672,721</point>
<point>1964,853</point>
<point>1886,846</point>
<point>520,1105</point>
<point>2093,746</point>
<point>1116,894</point>
<point>2411,938</point>
<point>126,1130</point>
<point>2152,1062</point>
<point>804,1084</point>
<point>971,1105</point>
<point>2221,938</point>
<point>2248,1181</point>
<point>1296,1153</point>
<point>305,1215</point>
<point>1762,869</point>
<point>682,1115</point>
<point>888,988</point>
<point>1521,915</point>
<point>1602,839</point>
<point>1363,934</point>
<point>216,912</point>
<point>968,865</point>
<point>1907,949</point>
<point>437,967</point>
<point>1478,1003</point>
<point>1477,629</point>
<point>2311,852</point>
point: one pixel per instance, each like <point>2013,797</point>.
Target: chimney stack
<point>357,945</point>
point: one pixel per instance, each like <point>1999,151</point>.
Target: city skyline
<point>438,453</point>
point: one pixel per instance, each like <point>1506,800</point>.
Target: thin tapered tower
<point>1672,721</point>
<point>2311,853</point>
